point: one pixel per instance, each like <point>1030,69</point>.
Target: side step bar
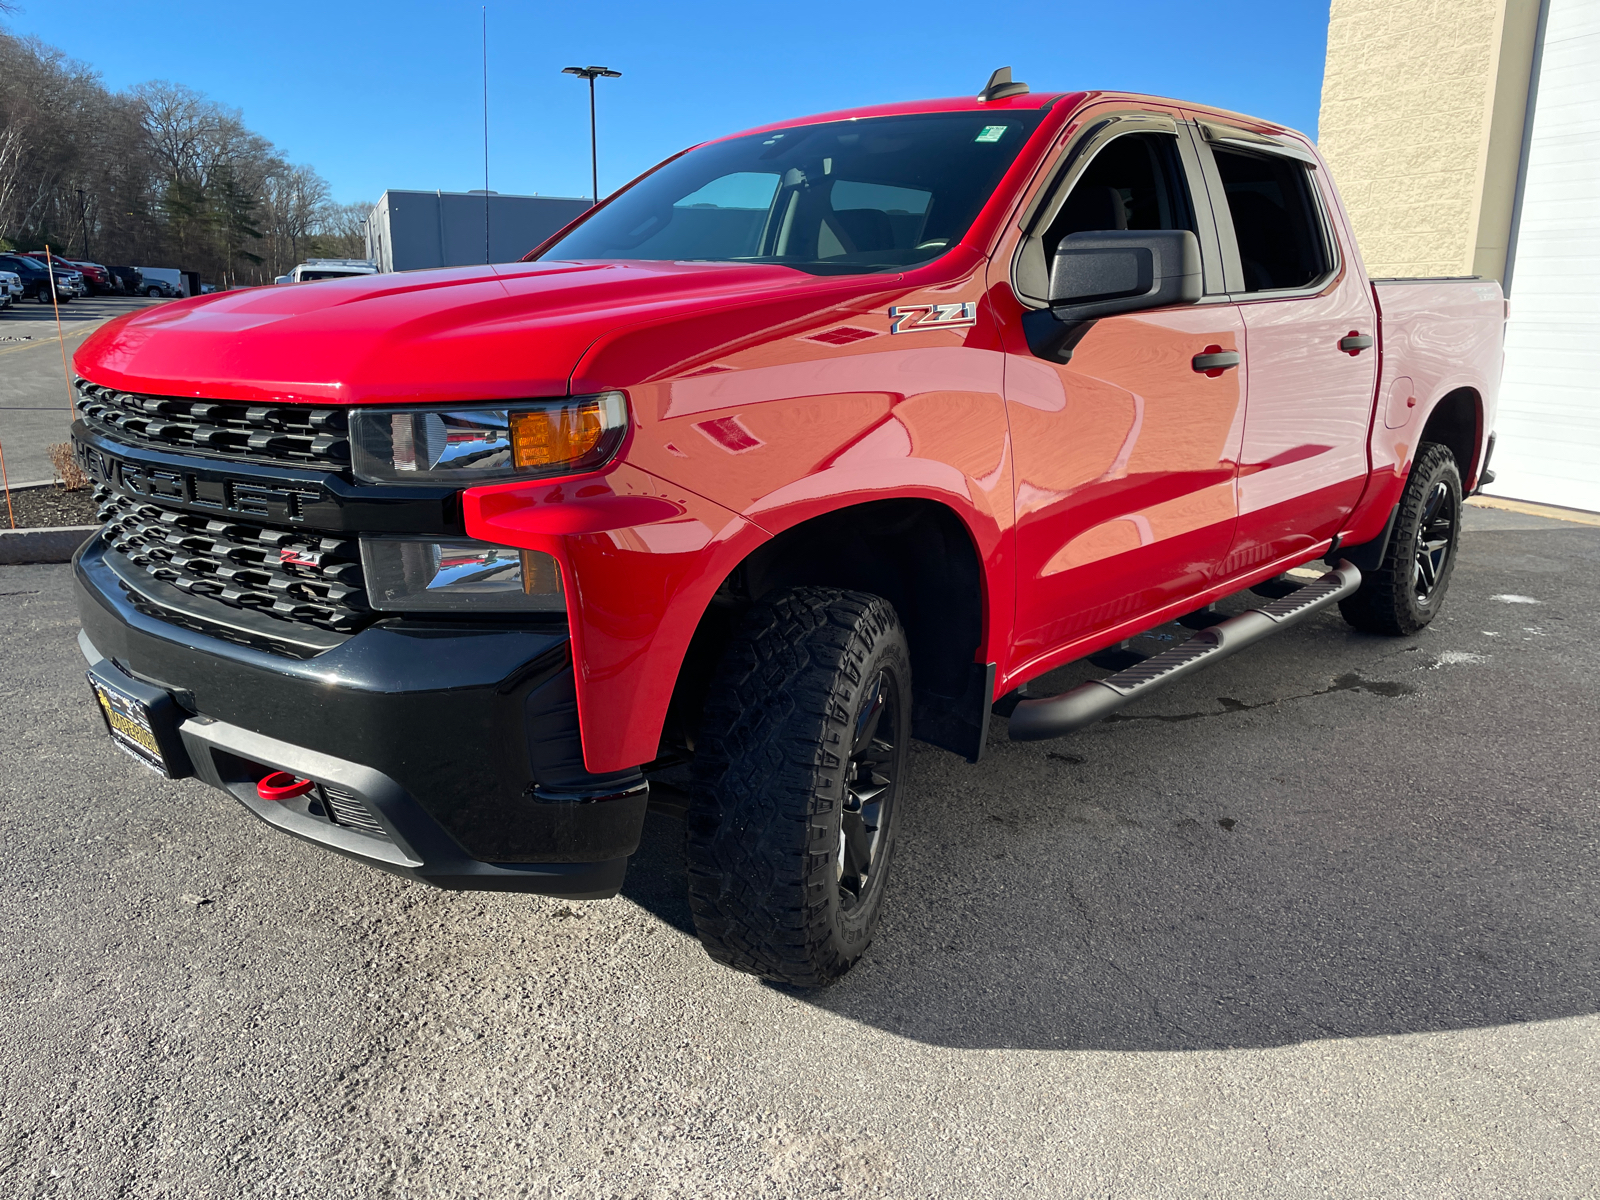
<point>1052,716</point>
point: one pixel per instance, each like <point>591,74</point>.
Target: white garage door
<point>1549,427</point>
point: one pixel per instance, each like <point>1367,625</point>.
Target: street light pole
<point>591,74</point>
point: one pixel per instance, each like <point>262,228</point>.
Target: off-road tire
<point>769,784</point>
<point>1387,601</point>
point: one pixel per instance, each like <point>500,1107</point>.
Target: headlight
<point>407,575</point>
<point>467,446</point>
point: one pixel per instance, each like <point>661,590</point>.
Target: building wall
<point>1421,123</point>
<point>1548,447</point>
<point>409,231</point>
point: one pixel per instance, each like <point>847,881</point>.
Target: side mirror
<point>1117,271</point>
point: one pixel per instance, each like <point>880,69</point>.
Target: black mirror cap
<point>1104,273</point>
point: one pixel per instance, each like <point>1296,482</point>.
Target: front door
<point>1124,455</point>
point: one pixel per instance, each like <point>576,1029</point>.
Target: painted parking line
<point>52,339</point>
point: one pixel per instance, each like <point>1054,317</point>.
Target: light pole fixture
<point>591,74</point>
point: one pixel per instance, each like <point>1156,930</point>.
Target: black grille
<point>344,809</point>
<point>293,574</point>
<point>288,434</point>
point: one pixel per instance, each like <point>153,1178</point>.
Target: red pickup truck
<point>809,441</point>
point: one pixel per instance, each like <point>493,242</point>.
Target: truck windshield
<point>844,197</point>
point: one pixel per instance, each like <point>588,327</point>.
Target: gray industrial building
<point>408,231</point>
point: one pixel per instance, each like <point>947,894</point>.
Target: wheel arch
<point>915,552</point>
<point>1456,422</point>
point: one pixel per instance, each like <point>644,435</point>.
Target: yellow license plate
<point>128,722</point>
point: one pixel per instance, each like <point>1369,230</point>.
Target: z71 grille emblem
<point>907,317</point>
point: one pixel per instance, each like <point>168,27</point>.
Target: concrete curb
<point>52,545</point>
<point>1575,515</point>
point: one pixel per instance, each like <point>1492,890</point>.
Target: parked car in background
<point>10,288</point>
<point>36,278</point>
<point>161,281</point>
<point>72,271</point>
<point>329,268</point>
<point>95,276</point>
<point>127,280</point>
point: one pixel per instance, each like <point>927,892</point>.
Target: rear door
<point>1124,453</point>
<point>1310,330</point>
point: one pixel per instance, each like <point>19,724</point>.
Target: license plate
<point>129,722</point>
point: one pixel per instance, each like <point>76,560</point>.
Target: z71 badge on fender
<point>907,317</point>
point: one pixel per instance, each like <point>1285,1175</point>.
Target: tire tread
<point>765,782</point>
<point>1384,603</point>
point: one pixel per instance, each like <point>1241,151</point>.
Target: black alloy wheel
<point>1436,539</point>
<point>869,792</point>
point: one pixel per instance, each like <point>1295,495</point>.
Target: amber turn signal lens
<point>559,434</point>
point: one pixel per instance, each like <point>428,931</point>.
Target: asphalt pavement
<point>35,403</point>
<point>1321,921</point>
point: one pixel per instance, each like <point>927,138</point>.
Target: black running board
<point>1035,719</point>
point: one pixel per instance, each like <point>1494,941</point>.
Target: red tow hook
<point>281,785</point>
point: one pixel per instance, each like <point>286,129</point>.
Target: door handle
<point>1354,342</point>
<point>1214,360</point>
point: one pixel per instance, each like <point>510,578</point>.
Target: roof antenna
<point>1000,86</point>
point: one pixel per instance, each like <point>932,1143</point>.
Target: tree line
<point>158,175</point>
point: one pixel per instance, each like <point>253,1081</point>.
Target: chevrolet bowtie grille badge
<point>908,317</point>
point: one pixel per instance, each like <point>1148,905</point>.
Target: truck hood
<point>500,332</point>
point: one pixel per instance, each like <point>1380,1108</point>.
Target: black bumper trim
<point>414,845</point>
<point>473,722</point>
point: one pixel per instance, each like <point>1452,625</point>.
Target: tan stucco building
<point>1422,121</point>
<point>1464,136</point>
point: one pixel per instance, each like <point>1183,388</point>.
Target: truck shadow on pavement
<point>1336,836</point>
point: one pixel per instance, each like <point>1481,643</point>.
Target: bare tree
<point>13,151</point>
<point>158,174</point>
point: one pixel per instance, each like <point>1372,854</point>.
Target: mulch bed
<point>48,507</point>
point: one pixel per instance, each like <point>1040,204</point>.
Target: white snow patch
<point>1509,599</point>
<point>1457,658</point>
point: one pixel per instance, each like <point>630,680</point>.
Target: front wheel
<point>798,764</point>
<point>1408,587</point>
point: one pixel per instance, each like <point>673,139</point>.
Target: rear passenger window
<point>1135,182</point>
<point>1282,243</point>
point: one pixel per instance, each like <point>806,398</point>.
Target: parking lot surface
<point>1321,921</point>
<point>35,408</point>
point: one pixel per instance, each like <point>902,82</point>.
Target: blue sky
<point>389,95</point>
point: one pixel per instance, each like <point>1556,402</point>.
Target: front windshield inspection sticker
<point>906,317</point>
<point>991,133</point>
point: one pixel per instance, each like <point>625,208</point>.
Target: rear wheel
<point>1408,587</point>
<point>798,763</point>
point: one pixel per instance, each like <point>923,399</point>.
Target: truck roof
<point>1030,102</point>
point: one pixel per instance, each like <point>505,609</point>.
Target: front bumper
<point>457,743</point>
